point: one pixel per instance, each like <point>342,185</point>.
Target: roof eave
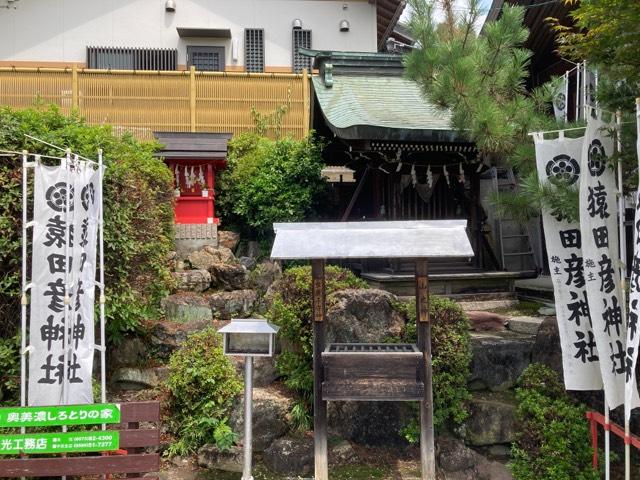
<point>392,23</point>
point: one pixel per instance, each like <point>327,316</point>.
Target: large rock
<point>547,349</point>
<point>235,304</point>
<point>488,470</point>
<point>166,337</point>
<point>208,256</point>
<point>228,276</point>
<point>226,272</point>
<point>211,457</point>
<point>290,456</point>
<point>264,370</point>
<point>362,316</point>
<point>228,239</point>
<point>491,421</point>
<point>455,461</point>
<point>270,419</point>
<point>131,352</point>
<point>264,275</point>
<point>369,423</point>
<point>139,378</point>
<point>192,280</point>
<point>248,262</point>
<point>499,359</point>
<point>343,453</point>
<point>187,307</point>
<point>454,456</point>
<point>486,321</point>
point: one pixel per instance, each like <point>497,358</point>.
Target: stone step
<point>186,307</point>
<point>190,306</point>
<point>526,325</point>
<point>491,419</point>
<point>498,359</point>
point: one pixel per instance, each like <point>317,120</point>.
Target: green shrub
<point>451,357</point>
<point>269,181</point>
<point>553,440</point>
<point>10,371</point>
<point>291,310</point>
<point>203,384</point>
<point>138,214</point>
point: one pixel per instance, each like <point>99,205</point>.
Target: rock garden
<point>481,350</point>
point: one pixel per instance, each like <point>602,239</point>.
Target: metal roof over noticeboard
<point>402,239</point>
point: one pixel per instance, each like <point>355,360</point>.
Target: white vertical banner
<point>560,103</point>
<point>633,336</point>
<point>558,159</point>
<point>46,332</point>
<point>599,226</point>
<point>53,225</point>
<point>83,271</point>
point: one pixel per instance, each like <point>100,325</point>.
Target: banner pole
<point>67,268</point>
<point>623,272</point>
<point>607,440</point>
<point>65,354</point>
<point>103,366</point>
<point>578,92</point>
<point>596,78</point>
<point>566,96</point>
<point>23,299</point>
<point>585,106</point>
<point>627,419</point>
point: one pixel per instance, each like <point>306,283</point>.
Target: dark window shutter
<point>301,38</point>
<point>115,58</point>
<point>254,49</point>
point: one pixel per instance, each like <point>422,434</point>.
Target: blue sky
<point>460,5</point>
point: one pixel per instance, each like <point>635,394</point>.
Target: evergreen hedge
<point>138,213</point>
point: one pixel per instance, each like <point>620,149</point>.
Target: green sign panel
<point>98,441</point>
<point>93,414</point>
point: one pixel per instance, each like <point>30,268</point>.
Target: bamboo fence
<point>142,102</point>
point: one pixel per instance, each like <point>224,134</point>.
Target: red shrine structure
<point>194,159</point>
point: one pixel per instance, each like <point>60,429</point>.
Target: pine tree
<point>481,80</point>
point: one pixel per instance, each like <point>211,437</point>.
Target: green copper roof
<point>379,107</point>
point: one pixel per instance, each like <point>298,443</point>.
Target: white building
<point>229,35</point>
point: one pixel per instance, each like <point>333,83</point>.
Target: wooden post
<point>476,220</point>
<point>352,202</point>
<point>74,87</point>
<point>192,97</point>
<point>423,326</point>
<point>319,406</point>
<point>306,103</point>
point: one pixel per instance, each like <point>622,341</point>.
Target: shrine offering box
<point>372,372</point>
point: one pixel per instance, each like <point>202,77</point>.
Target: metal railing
<point>142,102</point>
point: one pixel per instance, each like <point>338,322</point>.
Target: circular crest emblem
<point>564,168</point>
<point>597,158</point>
<point>56,197</point>
<point>87,196</point>
<point>560,101</point>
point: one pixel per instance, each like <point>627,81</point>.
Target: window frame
<point>247,32</point>
<point>295,56</point>
<point>207,48</point>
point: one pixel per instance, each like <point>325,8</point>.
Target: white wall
<point>60,30</point>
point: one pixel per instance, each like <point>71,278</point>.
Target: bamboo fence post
<point>192,96</point>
